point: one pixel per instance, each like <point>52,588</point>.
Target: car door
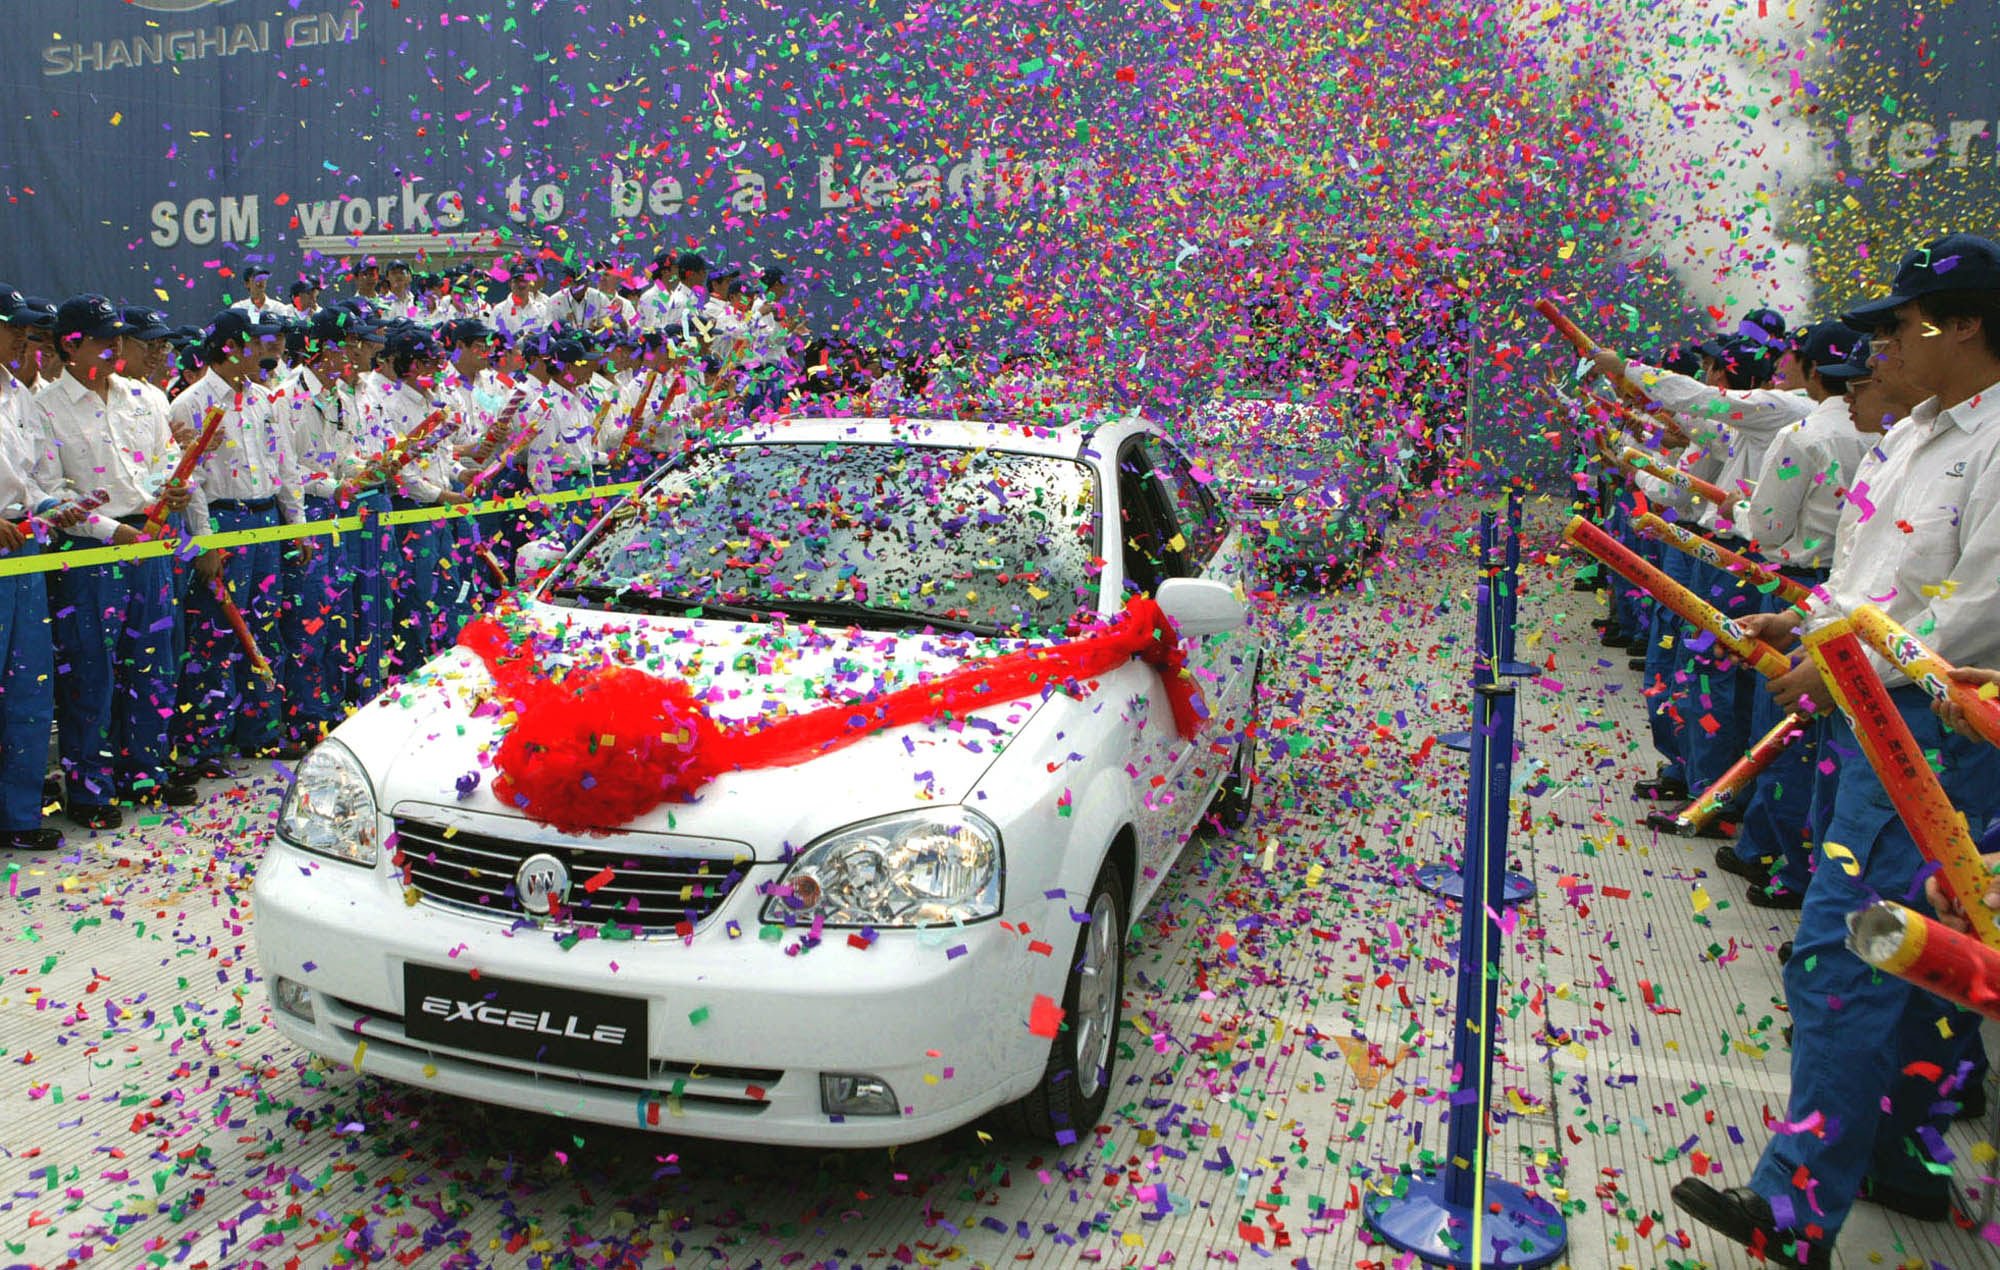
<point>1204,544</point>
<point>1144,534</point>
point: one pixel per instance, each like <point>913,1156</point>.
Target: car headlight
<point>330,808</point>
<point>915,869</point>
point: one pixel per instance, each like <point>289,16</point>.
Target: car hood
<point>428,743</point>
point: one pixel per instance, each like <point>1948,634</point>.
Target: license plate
<point>559,1027</point>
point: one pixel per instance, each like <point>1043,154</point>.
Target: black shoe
<point>209,769</point>
<point>1920,1205</point>
<point>1971,1102</point>
<point>1600,624</point>
<point>1776,896</point>
<point>1785,953</point>
<point>94,815</point>
<point>1728,861</point>
<point>1661,790</point>
<point>1637,647</point>
<point>180,793</point>
<point>30,839</point>
<point>1612,638</point>
<point>1668,820</point>
<point>1635,663</point>
<point>1743,1217</point>
<point>1583,584</point>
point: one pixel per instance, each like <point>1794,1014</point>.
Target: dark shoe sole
<point>1766,897</point>
<point>1723,1214</point>
<point>1929,1208</point>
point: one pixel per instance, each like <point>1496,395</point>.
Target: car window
<point>1198,516</point>
<point>989,539</point>
<point>1142,527</point>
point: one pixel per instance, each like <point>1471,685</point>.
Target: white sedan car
<point>869,947</point>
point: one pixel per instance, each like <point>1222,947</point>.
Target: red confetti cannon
<point>1634,459</point>
<point>638,413</point>
<point>156,515</point>
<point>1715,555</point>
<point>1683,603</point>
<point>1731,785</point>
<point>1928,953</point>
<point>1926,669</point>
<point>1940,831</point>
<point>400,454</point>
<point>259,664</point>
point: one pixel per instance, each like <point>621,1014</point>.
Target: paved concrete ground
<point>1288,1032</point>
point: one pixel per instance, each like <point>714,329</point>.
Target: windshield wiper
<point>904,619</point>
<point>633,600</point>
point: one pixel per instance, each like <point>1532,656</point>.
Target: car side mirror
<point>1201,606</point>
<point>535,558</point>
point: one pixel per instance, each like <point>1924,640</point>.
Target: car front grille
<point>630,887</point>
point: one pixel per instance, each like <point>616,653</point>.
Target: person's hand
<point>1950,712</point>
<point>1801,688</point>
<point>1948,910</point>
<point>1609,363</point>
<point>11,536</point>
<point>174,497</point>
<point>305,548</point>
<point>125,536</point>
<point>208,565</point>
<point>1779,630</point>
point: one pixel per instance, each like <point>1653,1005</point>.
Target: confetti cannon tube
<point>156,515</point>
<point>1587,347</point>
<point>1633,459</point>
<point>234,616</point>
<point>1937,826</point>
<point>1732,784</point>
<point>398,456</point>
<point>1926,669</point>
<point>1716,555</point>
<point>1928,953</point>
<point>638,413</point>
<point>1683,603</point>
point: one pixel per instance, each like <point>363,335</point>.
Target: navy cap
<point>1858,364</point>
<point>235,324</point>
<point>460,331</point>
<point>38,313</point>
<point>90,316</point>
<point>301,289</point>
<point>413,342</point>
<point>146,324</point>
<point>13,306</point>
<point>254,272</point>
<point>689,260</point>
<point>1762,326</point>
<point>394,265</point>
<point>1956,262</point>
<point>184,337</point>
<point>1825,344</point>
<point>774,276</point>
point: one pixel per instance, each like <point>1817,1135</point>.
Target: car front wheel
<point>1077,1081</point>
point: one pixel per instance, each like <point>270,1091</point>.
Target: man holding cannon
<point>1919,538</point>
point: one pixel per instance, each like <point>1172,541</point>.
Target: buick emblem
<point>541,884</point>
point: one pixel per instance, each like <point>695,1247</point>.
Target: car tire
<point>1236,797</point>
<point>1076,1083</point>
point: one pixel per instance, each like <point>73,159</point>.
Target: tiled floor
<point>1289,1026</point>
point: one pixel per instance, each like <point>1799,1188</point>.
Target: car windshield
<point>884,535</point>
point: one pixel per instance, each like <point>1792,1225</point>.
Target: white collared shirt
<point>1795,509</point>
<point>390,413</point>
<point>271,308</point>
<point>667,308</point>
<point>251,457</point>
<point>520,319</point>
<point>562,436</point>
<point>323,438</point>
<point>1919,536</point>
<point>118,444</point>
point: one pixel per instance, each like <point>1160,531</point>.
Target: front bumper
<point>739,1029</point>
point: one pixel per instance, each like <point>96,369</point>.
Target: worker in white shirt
<point>577,304</point>
<point>246,480</point>
<point>317,620</point>
<point>420,559</point>
<point>399,299</point>
<point>650,422</point>
<point>1791,518</point>
<point>559,457</point>
<point>302,300</point>
<point>117,627</point>
<point>1736,407</point>
<point>767,361</point>
<point>612,283</point>
<point>31,485</point>
<point>1874,1058</point>
<point>260,303</point>
<point>36,364</point>
<point>521,314</point>
<point>145,355</point>
<point>478,400</point>
<point>671,303</point>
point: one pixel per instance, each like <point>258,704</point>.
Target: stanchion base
<point>1460,741</point>
<point>1518,1229</point>
<point>1519,669</point>
<point>1443,880</point>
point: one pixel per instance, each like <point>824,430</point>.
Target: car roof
<point>1019,436</point>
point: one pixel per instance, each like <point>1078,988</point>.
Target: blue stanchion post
<point>1461,1215</point>
<point>1482,626</point>
<point>1510,595</point>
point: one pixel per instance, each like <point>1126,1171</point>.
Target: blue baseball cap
<point>1858,364</point>
<point>90,317</point>
<point>147,324</point>
<point>1955,262</point>
<point>1825,344</point>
